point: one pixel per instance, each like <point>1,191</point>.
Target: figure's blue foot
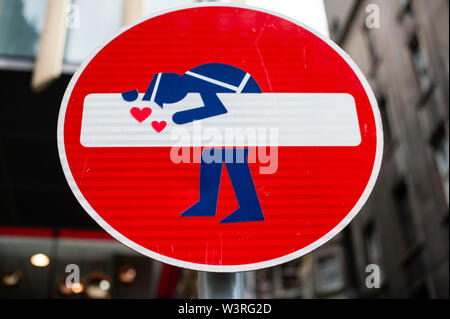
<point>243,215</point>
<point>200,209</point>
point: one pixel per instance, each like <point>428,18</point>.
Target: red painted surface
<point>141,193</point>
<point>167,282</point>
<point>26,232</point>
<point>84,234</point>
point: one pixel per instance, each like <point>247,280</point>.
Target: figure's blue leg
<point>249,207</point>
<point>210,174</point>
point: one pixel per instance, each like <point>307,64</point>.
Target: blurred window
<point>405,214</point>
<point>371,44</point>
<point>329,278</point>
<point>21,23</point>
<point>95,23</point>
<point>405,6</point>
<point>98,22</point>
<point>89,24</point>
<point>385,119</point>
<point>420,63</point>
<point>440,146</point>
<point>265,282</point>
<point>289,271</point>
<point>335,26</point>
<point>372,247</point>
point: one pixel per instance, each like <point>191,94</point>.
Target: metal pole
<point>220,285</point>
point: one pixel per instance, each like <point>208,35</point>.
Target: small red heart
<point>139,114</point>
<point>159,126</point>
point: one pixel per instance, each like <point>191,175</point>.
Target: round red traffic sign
<point>220,138</point>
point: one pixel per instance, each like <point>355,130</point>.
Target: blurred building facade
<point>403,228</point>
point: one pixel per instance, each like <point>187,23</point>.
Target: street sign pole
<point>213,285</point>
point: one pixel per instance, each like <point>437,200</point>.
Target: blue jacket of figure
<point>206,79</point>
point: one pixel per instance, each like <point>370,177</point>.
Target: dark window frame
<point>406,215</point>
<point>421,66</point>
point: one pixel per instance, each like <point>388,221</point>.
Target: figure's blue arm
<point>212,107</point>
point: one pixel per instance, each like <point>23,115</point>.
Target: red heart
<point>139,114</point>
<point>159,126</point>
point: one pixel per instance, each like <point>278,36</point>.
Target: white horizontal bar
<point>300,119</point>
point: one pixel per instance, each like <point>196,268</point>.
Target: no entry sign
<point>220,138</point>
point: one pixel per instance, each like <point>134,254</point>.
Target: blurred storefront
<point>37,262</point>
<point>44,232</point>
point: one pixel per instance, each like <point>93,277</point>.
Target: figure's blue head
<point>165,88</point>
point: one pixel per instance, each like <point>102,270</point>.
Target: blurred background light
<point>127,274</point>
<point>11,278</point>
<point>104,285</point>
<point>98,286</point>
<point>63,289</point>
<point>40,260</point>
<point>77,288</point>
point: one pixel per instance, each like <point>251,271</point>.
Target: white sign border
<point>222,268</point>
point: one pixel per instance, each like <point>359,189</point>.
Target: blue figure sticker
<point>130,96</point>
<point>210,173</point>
<point>208,80</point>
